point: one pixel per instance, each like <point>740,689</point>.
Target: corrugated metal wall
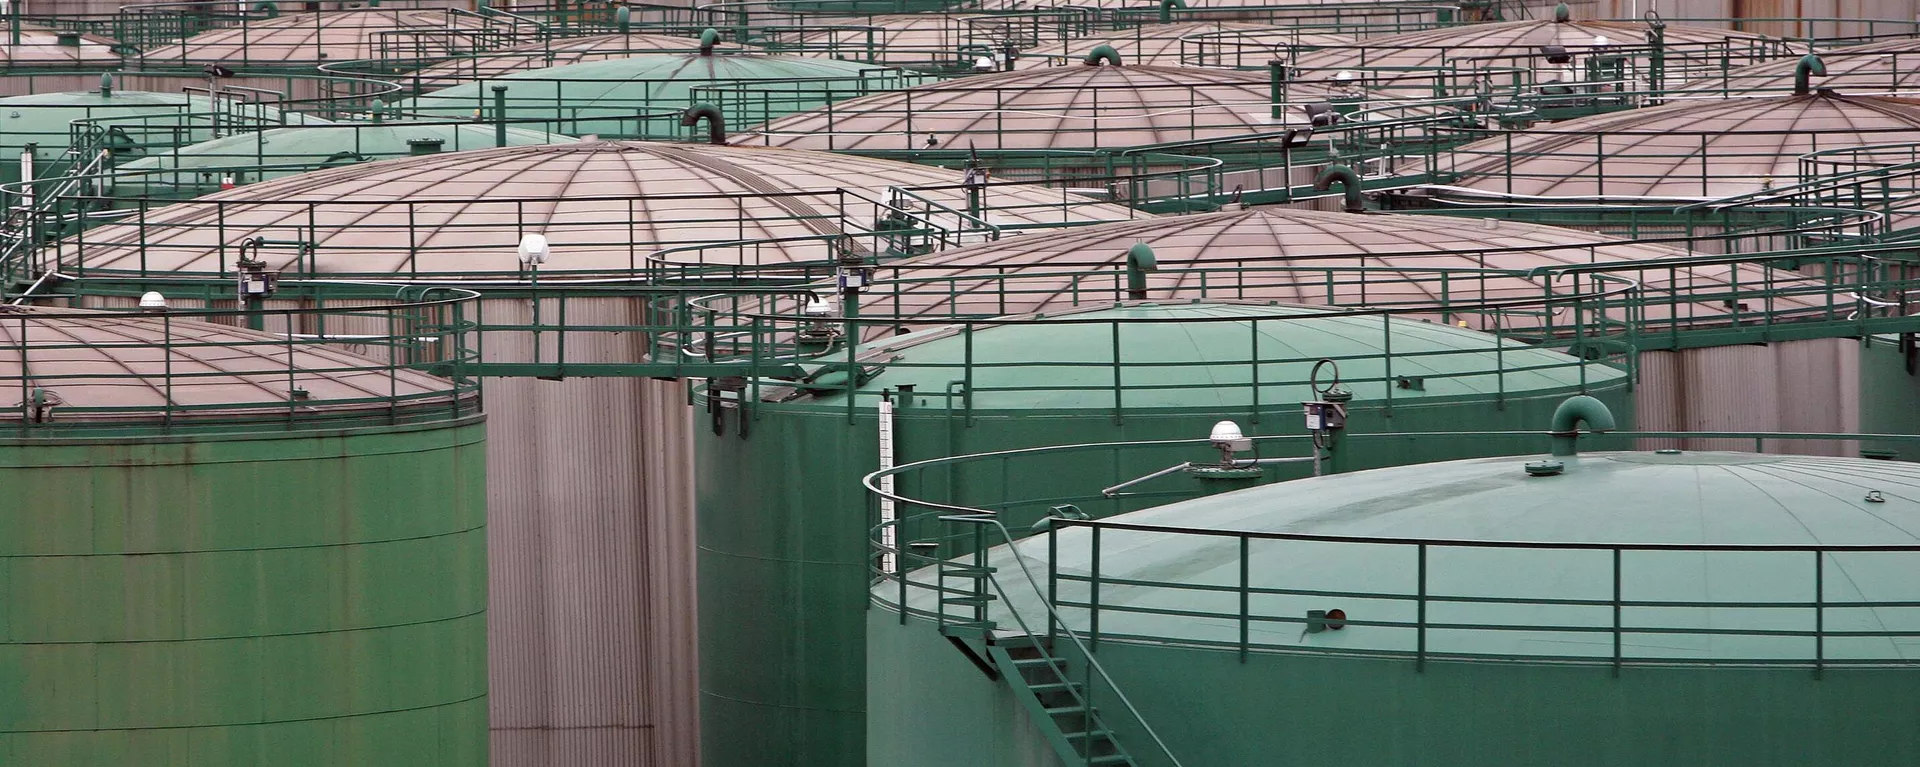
<point>1801,11</point>
<point>591,614</point>
<point>1805,386</point>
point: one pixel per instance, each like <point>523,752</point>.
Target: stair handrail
<point>981,517</point>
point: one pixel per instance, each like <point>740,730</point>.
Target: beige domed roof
<point>45,48</point>
<point>95,366</point>
<point>1071,107</point>
<point>1055,270</point>
<point>604,205</point>
<point>916,37</point>
<point>1686,150</point>
<point>1165,44</point>
<point>325,36</point>
<point>1887,67</point>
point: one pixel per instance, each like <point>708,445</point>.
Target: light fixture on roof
<point>985,64</point>
<point>216,70</point>
<point>150,301</point>
<point>533,249</point>
<point>1321,114</point>
<point>1556,54</point>
<point>932,141</point>
<point>1601,41</point>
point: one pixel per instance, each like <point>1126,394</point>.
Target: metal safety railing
<point>322,354</point>
<point>1610,603</point>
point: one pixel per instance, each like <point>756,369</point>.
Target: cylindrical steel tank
<point>590,478</point>
<point>783,533</point>
<point>1816,381</point>
<point>129,123</point>
<point>1888,67</point>
<point>627,97</point>
<point>1601,608</point>
<point>1166,45</point>
<point>225,547</point>
<point>545,54</point>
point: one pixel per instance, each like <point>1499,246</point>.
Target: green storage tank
<point>222,547</point>
<point>643,96</point>
<point>133,123</point>
<point>253,156</point>
<point>1718,609</point>
<point>784,562</point>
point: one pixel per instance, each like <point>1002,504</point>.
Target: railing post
<point>1093,593</point>
<point>1420,614</point>
<point>1053,581</point>
<point>1244,607</point>
<point>1616,611</point>
<point>1819,612</point>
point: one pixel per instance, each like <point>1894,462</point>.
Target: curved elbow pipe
<point>1166,9</point>
<point>623,19</point>
<point>268,7</point>
<point>709,37</point>
<point>1102,54</point>
<point>1810,66</point>
<point>1349,182</point>
<point>716,125</point>
<point>1140,260</point>
<point>1575,411</point>
<point>1562,14</point>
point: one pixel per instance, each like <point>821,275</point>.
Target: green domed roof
<point>637,85</point>
<point>45,118</point>
<point>1198,356</point>
<point>330,145</point>
<point>1663,508</point>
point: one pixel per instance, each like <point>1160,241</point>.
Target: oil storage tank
<point>784,563</point>
<point>590,474</point>
<point>1589,608</point>
<point>39,60</point>
<point>1883,68</point>
<point>224,547</point>
<point>615,97</point>
<point>127,123</point>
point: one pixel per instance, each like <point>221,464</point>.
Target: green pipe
<point>1103,54</point>
<point>1166,9</point>
<point>1657,58</point>
<point>106,86</point>
<point>716,125</point>
<point>268,7</point>
<point>1276,85</point>
<point>1809,66</point>
<point>1349,182</point>
<point>1140,260</point>
<point>499,115</point>
<point>1573,412</point>
<point>1562,14</point>
<point>709,37</point>
<point>623,19</point>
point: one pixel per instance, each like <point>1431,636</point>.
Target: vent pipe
<point>1102,54</point>
<point>1575,411</point>
<point>709,37</point>
<point>1166,9</point>
<point>1349,183</point>
<point>1562,14</point>
<point>1140,260</point>
<point>716,125</point>
<point>1810,66</point>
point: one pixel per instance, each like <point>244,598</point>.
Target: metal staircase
<point>1060,707</point>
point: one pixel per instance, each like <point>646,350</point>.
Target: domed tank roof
<point>911,37</point>
<point>552,53</point>
<point>324,36</point>
<point>1044,265</point>
<point>605,206</point>
<point>1886,67</point>
<point>615,91</point>
<point>1523,40</point>
<point>141,368</point>
<point>40,47</point>
<point>1543,544</point>
<point>1162,45</point>
<point>1686,150</point>
<point>1066,362</point>
<point>340,144</point>
<point>1070,107</point>
<point>46,118</point>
